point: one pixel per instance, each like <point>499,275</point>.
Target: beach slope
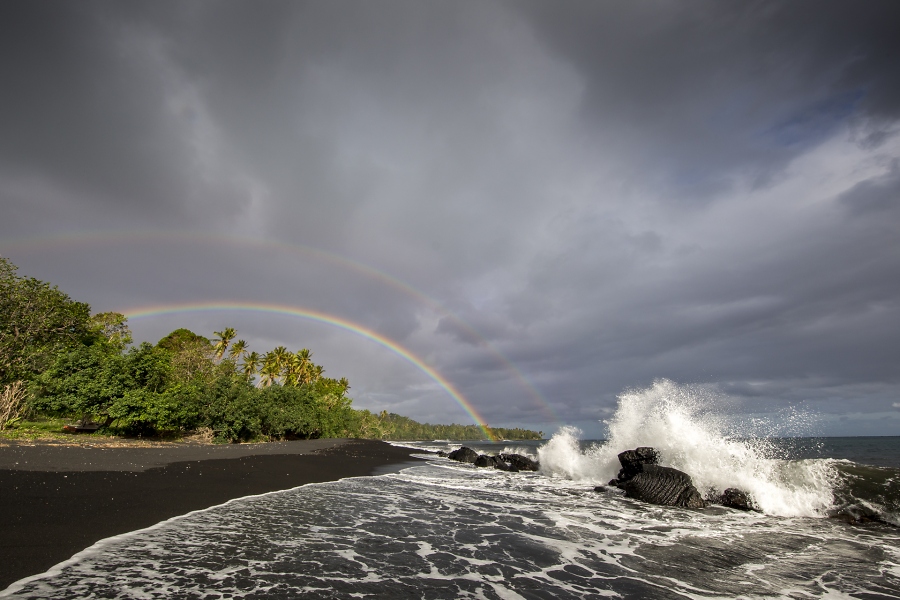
<point>57,500</point>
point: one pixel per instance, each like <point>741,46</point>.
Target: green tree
<point>250,366</point>
<point>271,369</point>
<point>181,338</point>
<point>82,382</point>
<point>113,328</point>
<point>193,356</point>
<point>37,321</point>
<point>303,365</point>
<point>149,367</point>
<point>282,358</point>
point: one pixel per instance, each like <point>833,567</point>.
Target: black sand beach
<point>58,500</point>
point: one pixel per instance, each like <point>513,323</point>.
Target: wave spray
<point>679,422</point>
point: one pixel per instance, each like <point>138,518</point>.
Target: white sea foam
<point>678,421</point>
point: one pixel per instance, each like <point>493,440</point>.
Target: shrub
<point>82,382</point>
<point>141,411</point>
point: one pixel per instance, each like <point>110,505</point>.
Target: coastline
<point>57,500</point>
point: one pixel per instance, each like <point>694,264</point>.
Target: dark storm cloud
<point>601,193</point>
<point>704,92</point>
<point>82,112</point>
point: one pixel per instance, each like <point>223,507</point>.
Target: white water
<point>676,420</point>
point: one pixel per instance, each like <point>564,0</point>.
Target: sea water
<point>448,530</point>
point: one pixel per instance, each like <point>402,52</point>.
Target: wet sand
<point>58,500</point>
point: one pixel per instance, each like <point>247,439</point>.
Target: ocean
<point>828,526</point>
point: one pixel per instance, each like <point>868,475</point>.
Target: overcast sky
<point>546,202</point>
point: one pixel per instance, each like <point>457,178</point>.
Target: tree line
<point>404,428</point>
<point>59,360</point>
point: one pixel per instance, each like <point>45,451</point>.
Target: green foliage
<point>193,356</point>
<point>149,368</point>
<point>181,338</point>
<point>89,379</point>
<point>84,381</point>
<point>404,428</point>
<point>36,322</point>
<point>112,328</point>
<point>145,412</point>
<point>237,411</point>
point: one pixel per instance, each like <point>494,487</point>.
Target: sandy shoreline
<point>57,500</point>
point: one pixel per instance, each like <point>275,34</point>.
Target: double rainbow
<point>42,243</point>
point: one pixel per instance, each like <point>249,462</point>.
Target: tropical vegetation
<point>404,428</point>
<point>59,362</point>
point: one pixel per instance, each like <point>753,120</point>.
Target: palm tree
<point>282,358</point>
<point>224,338</point>
<point>251,365</point>
<point>293,374</point>
<point>238,350</point>
<point>303,365</point>
<point>298,368</point>
<point>270,371</point>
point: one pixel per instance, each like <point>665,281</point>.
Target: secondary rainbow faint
<point>313,315</point>
<point>132,237</point>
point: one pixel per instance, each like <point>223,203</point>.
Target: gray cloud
<point>598,194</point>
<point>707,93</point>
<point>878,198</point>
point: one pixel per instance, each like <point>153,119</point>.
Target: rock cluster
<point>504,462</point>
<point>643,479</point>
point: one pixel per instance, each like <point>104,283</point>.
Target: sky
<point>539,205</point>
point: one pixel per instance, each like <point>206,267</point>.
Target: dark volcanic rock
<point>484,460</point>
<point>735,498</point>
<point>501,464</point>
<point>464,454</point>
<point>491,461</point>
<point>441,453</point>
<point>517,462</point>
<point>504,462</point>
<point>663,485</point>
<point>631,461</point>
<point>858,514</point>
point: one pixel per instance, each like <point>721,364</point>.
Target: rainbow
<point>152,236</point>
<point>320,317</point>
